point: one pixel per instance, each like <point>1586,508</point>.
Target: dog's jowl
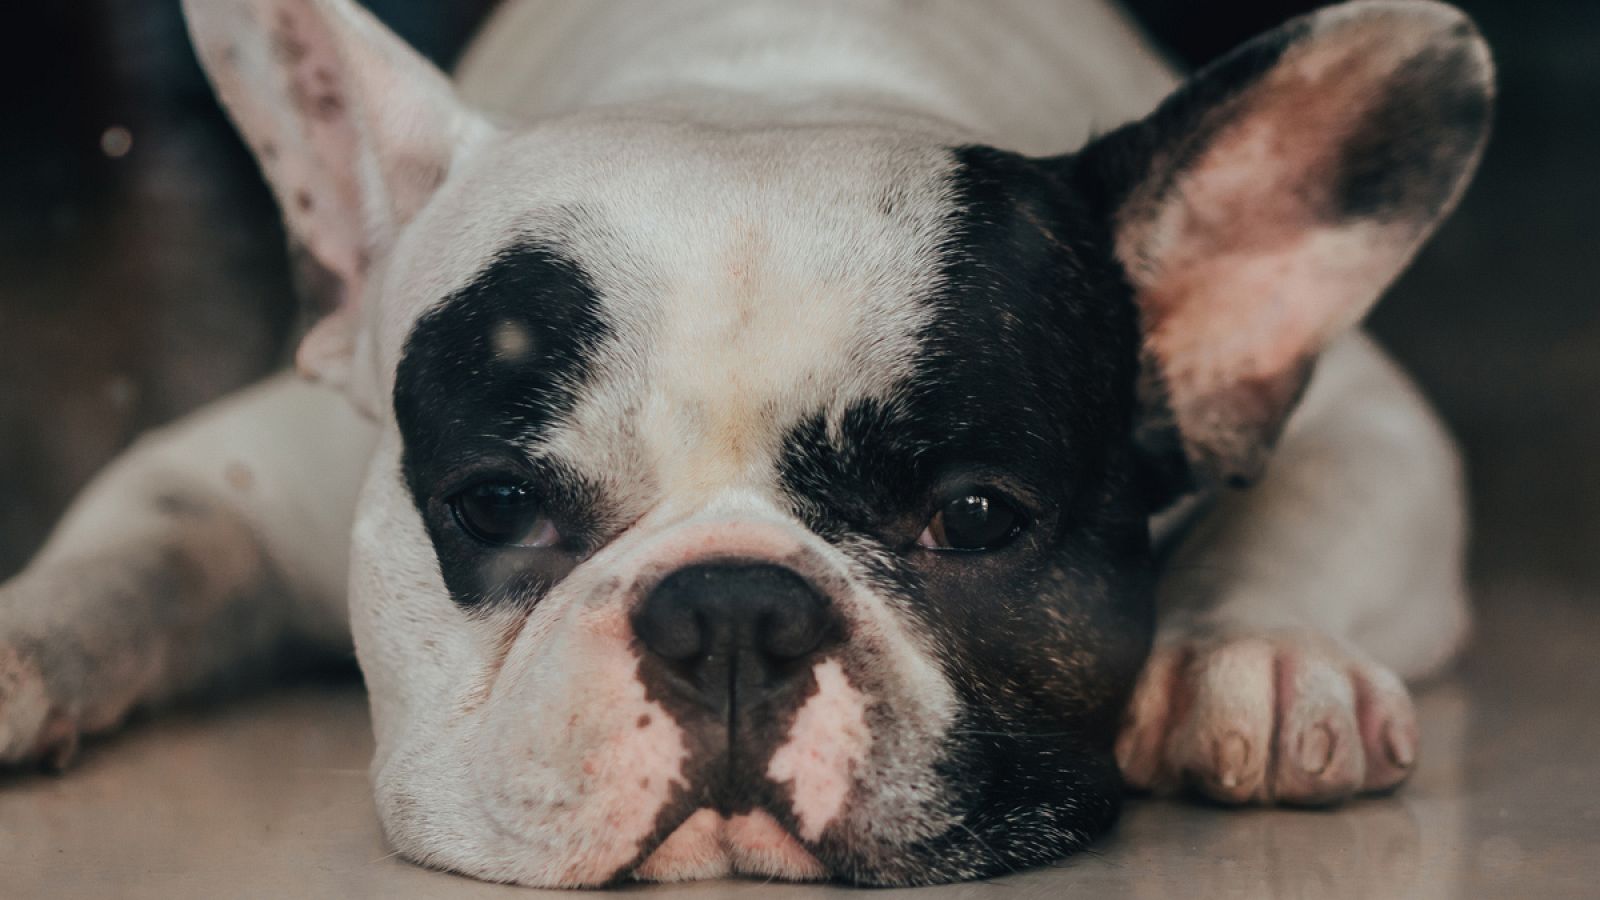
<point>778,439</point>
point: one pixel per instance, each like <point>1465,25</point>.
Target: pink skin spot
<point>828,739</point>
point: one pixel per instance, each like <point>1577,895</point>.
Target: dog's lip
<point>747,842</point>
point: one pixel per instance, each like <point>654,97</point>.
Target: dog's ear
<point>1264,207</point>
<point>354,131</point>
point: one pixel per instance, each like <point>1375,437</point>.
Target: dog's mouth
<point>709,844</point>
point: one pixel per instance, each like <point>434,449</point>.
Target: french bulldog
<point>789,440</point>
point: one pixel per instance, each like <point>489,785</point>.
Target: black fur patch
<point>1026,385</point>
<point>1406,159</point>
<point>482,376</point>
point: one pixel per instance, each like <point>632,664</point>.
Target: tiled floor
<point>104,329</point>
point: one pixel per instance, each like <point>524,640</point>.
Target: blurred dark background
<point>142,269</point>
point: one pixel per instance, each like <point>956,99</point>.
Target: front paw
<point>32,726</point>
<point>1266,718</point>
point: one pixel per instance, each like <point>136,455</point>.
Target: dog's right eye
<point>504,514</point>
<point>978,521</point>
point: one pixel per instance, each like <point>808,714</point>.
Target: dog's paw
<point>1266,718</point>
<point>32,727</point>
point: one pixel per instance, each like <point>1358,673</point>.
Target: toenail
<point>1316,749</point>
<point>1402,751</point>
<point>1231,755</point>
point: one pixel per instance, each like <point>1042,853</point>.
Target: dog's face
<point>776,501</point>
<point>784,521</point>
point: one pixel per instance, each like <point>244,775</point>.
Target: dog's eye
<point>504,514</point>
<point>978,521</point>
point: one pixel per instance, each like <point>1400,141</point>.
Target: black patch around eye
<point>483,374</point>
<point>1025,379</point>
<point>1027,365</point>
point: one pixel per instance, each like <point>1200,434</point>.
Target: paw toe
<point>1267,719</point>
<point>1223,746</point>
<point>1388,724</point>
<point>24,706</point>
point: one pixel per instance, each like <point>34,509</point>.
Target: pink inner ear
<point>1245,267</point>
<point>354,132</point>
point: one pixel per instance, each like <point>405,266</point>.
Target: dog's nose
<point>734,634</point>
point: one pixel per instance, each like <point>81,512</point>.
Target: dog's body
<point>702,275</point>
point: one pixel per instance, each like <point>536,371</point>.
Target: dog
<point>789,440</point>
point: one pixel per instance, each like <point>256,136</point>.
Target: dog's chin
<point>711,845</point>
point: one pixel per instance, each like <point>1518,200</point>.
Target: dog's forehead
<point>672,203</point>
<point>740,281</point>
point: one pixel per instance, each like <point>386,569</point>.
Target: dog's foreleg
<point>195,560</point>
<point>1290,612</point>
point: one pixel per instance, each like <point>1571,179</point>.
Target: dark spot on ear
<point>644,721</point>
<point>1406,158</point>
<point>316,102</point>
<point>287,46</point>
<point>268,152</point>
<point>230,54</point>
<point>323,76</point>
<point>329,106</point>
<point>644,784</point>
<point>302,199</point>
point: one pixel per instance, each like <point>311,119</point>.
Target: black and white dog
<point>750,442</point>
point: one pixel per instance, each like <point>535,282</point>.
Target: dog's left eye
<point>977,521</point>
<point>504,514</point>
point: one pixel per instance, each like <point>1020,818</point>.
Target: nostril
<point>792,631</point>
<point>671,630</point>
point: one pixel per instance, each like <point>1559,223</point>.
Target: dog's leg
<point>194,560</point>
<point>1291,611</point>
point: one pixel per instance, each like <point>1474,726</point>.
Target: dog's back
<point>1029,76</point>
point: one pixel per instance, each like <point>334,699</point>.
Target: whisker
<point>997,857</point>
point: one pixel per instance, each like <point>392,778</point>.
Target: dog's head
<point>776,501</point>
